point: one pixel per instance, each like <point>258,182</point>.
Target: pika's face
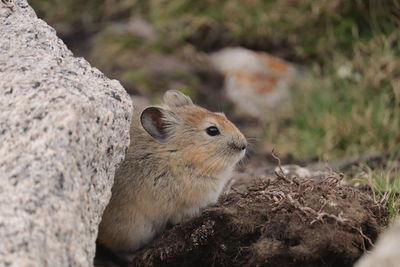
<point>204,140</point>
<point>209,139</point>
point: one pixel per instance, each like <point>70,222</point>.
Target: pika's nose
<point>242,147</point>
<point>238,146</point>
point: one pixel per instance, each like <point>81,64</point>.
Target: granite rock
<point>64,127</point>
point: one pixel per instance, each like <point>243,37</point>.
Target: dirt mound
<point>301,222</point>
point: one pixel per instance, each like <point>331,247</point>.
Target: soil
<point>278,222</point>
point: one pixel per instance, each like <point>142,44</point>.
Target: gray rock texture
<point>386,253</point>
<point>64,127</point>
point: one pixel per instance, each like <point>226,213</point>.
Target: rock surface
<point>64,127</point>
<point>386,252</point>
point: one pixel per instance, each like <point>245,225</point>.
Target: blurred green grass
<point>385,183</point>
<point>348,104</point>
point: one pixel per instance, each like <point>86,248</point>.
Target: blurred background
<point>318,80</point>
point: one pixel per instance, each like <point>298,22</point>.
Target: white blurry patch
<point>255,81</point>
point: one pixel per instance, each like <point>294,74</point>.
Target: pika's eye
<point>212,131</point>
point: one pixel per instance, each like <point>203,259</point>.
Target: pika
<point>178,162</point>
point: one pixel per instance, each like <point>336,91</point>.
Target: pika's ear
<point>156,123</point>
<point>174,98</point>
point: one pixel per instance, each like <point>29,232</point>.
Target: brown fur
<point>168,180</point>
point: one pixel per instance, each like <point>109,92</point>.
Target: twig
<point>279,164</point>
<point>364,236</point>
<point>281,175</point>
<point>319,215</point>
